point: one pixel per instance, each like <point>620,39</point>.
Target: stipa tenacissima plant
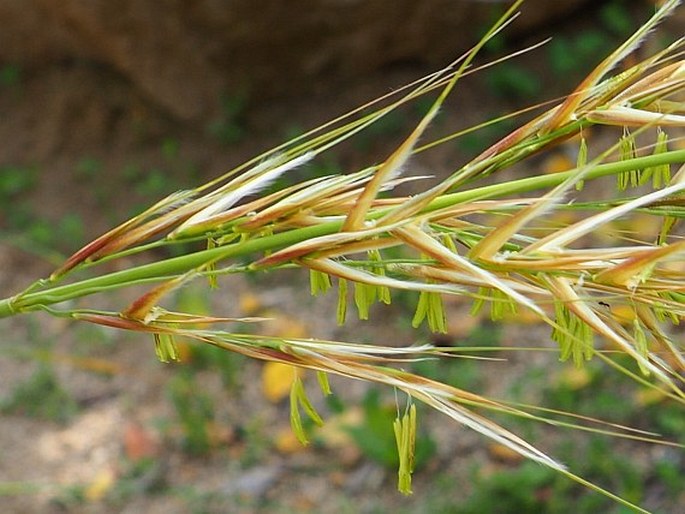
<point>339,227</point>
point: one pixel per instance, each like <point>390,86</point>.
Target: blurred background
<point>105,107</point>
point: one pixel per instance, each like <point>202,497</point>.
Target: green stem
<point>6,309</point>
<point>545,181</point>
<point>161,270</point>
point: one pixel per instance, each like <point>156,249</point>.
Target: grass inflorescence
<point>346,229</point>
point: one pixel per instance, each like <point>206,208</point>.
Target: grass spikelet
<point>142,309</point>
<point>249,183</point>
